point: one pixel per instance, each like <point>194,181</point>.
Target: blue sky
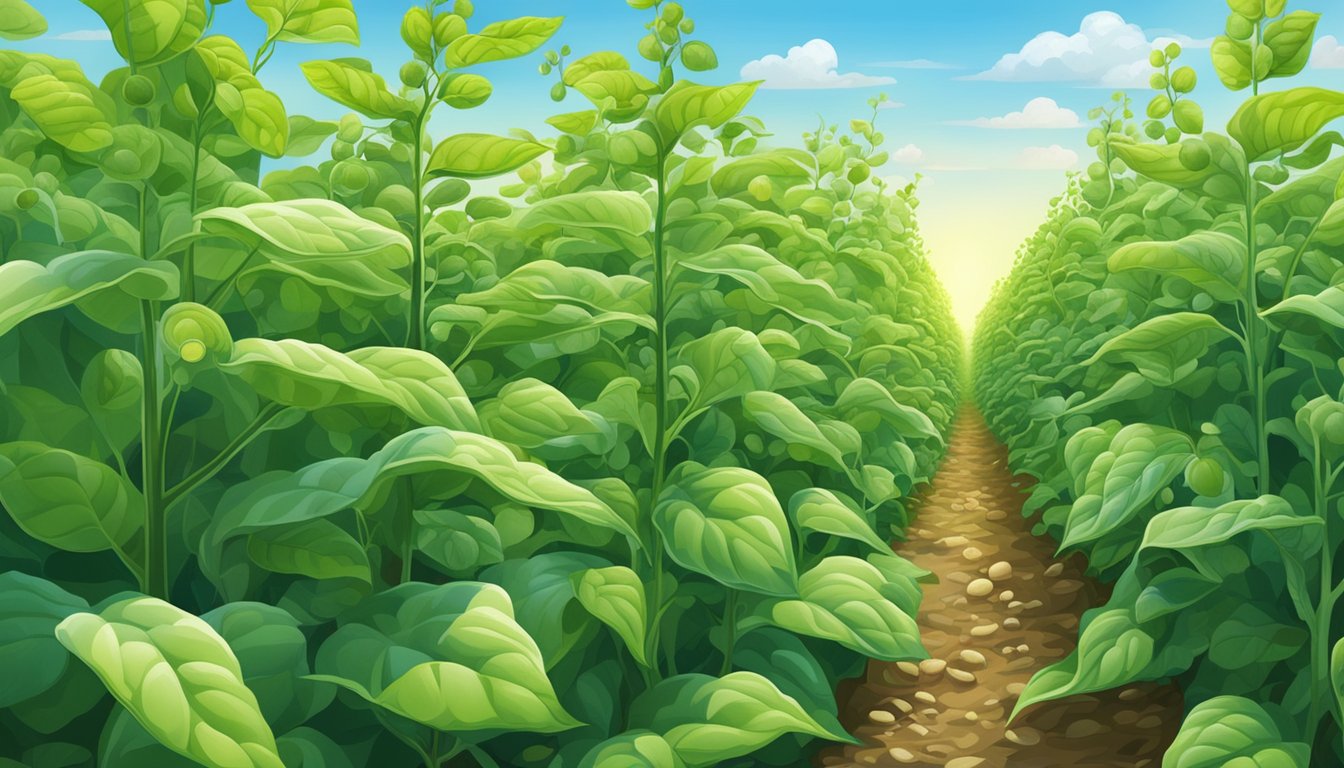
<point>988,172</point>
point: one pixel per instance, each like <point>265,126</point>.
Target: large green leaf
<point>842,599</point>
<point>312,376</point>
<point>780,417</point>
<point>1112,650</point>
<point>776,284</point>
<point>67,500</point>
<point>318,549</point>
<point>31,659</point>
<point>1213,262</point>
<point>1282,121</point>
<point>20,21</point>
<point>726,523</point>
<point>1231,730</point>
<point>615,596</point>
<point>502,40</point>
<point>708,720</point>
<point>480,156</point>
<point>28,288</point>
<point>724,364</point>
<point>865,404</point>
<point>1165,349</point>
<point>539,417</point>
<point>66,109</point>
<point>817,510</point>
<point>687,105</point>
<point>624,212</point>
<point>451,657</point>
<point>179,679</point>
<point>149,31</point>
<point>633,749</point>
<point>308,21</point>
<point>353,83</point>
<point>256,113</point>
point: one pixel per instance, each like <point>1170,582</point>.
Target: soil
<point>1004,608</point>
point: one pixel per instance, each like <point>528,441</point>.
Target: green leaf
<point>307,135</point>
<point>842,599</point>
<point>318,549</point>
<point>776,284</point>
<point>258,115</point>
<point>31,659</point>
<point>272,651</point>
<point>627,213</point>
<point>633,749</point>
<point>535,415</point>
<point>151,31</point>
<point>352,83</point>
<point>1284,120</point>
<point>866,405</point>
<point>501,40</point>
<point>1214,262</point>
<point>28,288</point>
<point>1187,528</point>
<point>727,363</point>
<point>456,541</point>
<point>451,657</point>
<point>481,156</point>
<point>308,21</point>
<point>1112,650</point>
<point>817,510</point>
<point>697,56</point>
<point>1290,39</point>
<point>726,523</point>
<point>1165,349</point>
<point>66,110</point>
<point>615,596</point>
<point>1312,314</point>
<point>179,679</point>
<point>709,720</point>
<point>20,21</point>
<point>687,105</point>
<point>778,416</point>
<point>1232,62</point>
<point>1231,730</point>
<point>67,500</point>
<point>312,376</point>
<point>1337,672</point>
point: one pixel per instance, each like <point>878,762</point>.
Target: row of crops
<point>346,465</point>
<point>1165,358</point>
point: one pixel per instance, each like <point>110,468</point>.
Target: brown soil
<point>952,710</point>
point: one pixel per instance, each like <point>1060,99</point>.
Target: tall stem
<point>730,629</point>
<point>189,259</point>
<point>1255,370</point>
<point>151,460</point>
<point>1321,688</point>
<point>660,386</point>
<point>417,319</point>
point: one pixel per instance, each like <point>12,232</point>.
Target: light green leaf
<point>256,113</point>
<point>688,105</point>
<point>1282,121</point>
<point>352,83</point>
<point>308,21</point>
<point>1309,313</point>
<point>456,541</point>
<point>318,549</point>
<point>481,156</point>
<point>307,135</point>
<point>727,363</point>
<point>709,720</point>
<point>28,288</point>
<point>1112,650</point>
<point>150,31</point>
<point>865,404</point>
<point>1214,262</point>
<point>1231,730</point>
<point>726,523</point>
<point>501,40</point>
<point>633,749</point>
<point>780,417</point>
<point>615,596</point>
<point>179,679</point>
<point>312,376</point>
<point>776,284</point>
<point>31,659</point>
<point>451,657</point>
<point>1290,39</point>
<point>67,500</point>
<point>841,599</point>
<point>1187,528</point>
<point>1166,348</point>
<point>623,212</point>
<point>818,510</point>
<point>535,415</point>
<point>1232,62</point>
<point>20,21</point>
<point>66,110</point>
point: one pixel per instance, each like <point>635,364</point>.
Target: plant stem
<point>1255,373</point>
<point>660,386</point>
<point>419,288</point>
<point>211,467</point>
<point>151,460</point>
<point>1321,688</point>
<point>730,628</point>
<point>189,259</point>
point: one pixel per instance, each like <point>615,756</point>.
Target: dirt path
<point>1004,608</point>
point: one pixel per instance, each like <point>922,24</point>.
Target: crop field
<point>643,437</point>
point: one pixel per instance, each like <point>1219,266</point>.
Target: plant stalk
<point>151,461</point>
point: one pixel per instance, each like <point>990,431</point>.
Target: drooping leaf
<point>31,658</point>
<point>1282,121</point>
<point>20,21</point>
<point>502,40</point>
<point>150,32</point>
<point>308,21</point>
<point>1232,730</point>
<point>817,510</point>
<point>615,596</point>
<point>318,549</point>
<point>28,288</point>
<point>353,83</point>
<point>67,500</point>
<point>65,109</point>
<point>481,156</point>
<point>687,105</point>
<point>1214,262</point>
<point>1166,348</point>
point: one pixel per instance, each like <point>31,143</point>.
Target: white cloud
<point>912,64</point>
<point>815,64</point>
<point>84,35</point>
<point>1040,112</point>
<point>1328,53</point>
<point>1051,158</point>
<point>908,154</point>
<point>1106,50</point>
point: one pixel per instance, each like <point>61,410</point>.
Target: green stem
<point>660,387</point>
<point>214,465</point>
<point>730,628</point>
<point>189,259</point>
<point>1322,693</point>
<point>155,583</point>
<point>419,288</point>
<point>407,553</point>
<point>1255,373</point>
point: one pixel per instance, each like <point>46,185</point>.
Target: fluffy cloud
<point>815,64</point>
<point>1040,112</point>
<point>908,154</point>
<point>1051,158</point>
<point>84,35</point>
<point>1328,53</point>
<point>912,64</point>
<point>1106,50</point>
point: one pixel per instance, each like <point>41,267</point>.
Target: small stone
<point>929,712</point>
<point>971,716</point>
<point>972,553</point>
<point>980,588</point>
<point>918,729</point>
<point>1032,605</point>
<point>1011,623</point>
<point>1006,595</point>
<point>1000,570</point>
<point>1081,729</point>
<point>1015,689</point>
<point>1023,648</point>
<point>954,541</point>
<point>1024,736</point>
<point>995,515</point>
<point>1009,650</point>
<point>908,667</point>
<point>881,716</point>
<point>1130,694</point>
<point>1151,721</point>
<point>901,755</point>
<point>1015,604</point>
<point>959,602</point>
<point>932,666</point>
<point>984,630</point>
<point>973,657</point>
<point>960,675</point>
<point>926,697</point>
<point>1054,570</point>
<point>965,762</point>
<point>903,705</point>
<point>991,702</point>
